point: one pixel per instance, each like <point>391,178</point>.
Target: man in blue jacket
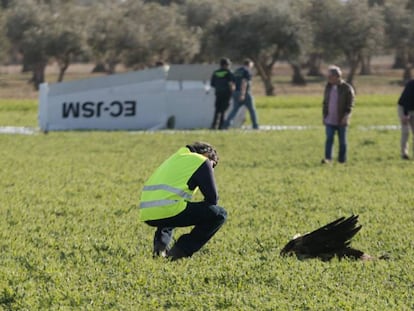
<point>242,95</point>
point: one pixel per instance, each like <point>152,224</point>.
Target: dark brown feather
<point>331,240</point>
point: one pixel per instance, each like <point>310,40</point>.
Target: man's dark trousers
<point>207,219</point>
<point>221,105</point>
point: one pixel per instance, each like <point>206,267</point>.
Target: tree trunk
<point>38,74</point>
<point>111,67</point>
<point>407,74</point>
<point>99,67</point>
<point>353,61</point>
<point>265,73</point>
<point>269,88</point>
<point>365,66</point>
<point>404,55</point>
<point>399,59</point>
<point>314,63</point>
<point>351,74</point>
<point>62,71</point>
<point>63,66</point>
<point>297,78</point>
<point>25,65</point>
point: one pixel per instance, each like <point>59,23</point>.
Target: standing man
<point>337,105</point>
<point>242,95</point>
<point>406,115</point>
<point>166,201</point>
<point>222,80</point>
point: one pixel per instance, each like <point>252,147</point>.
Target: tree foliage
<point>41,32</point>
<point>400,32</point>
<point>27,29</point>
<point>349,28</point>
<point>66,40</point>
<point>168,37</point>
<point>140,33</point>
<point>4,44</point>
<point>109,36</point>
<point>265,35</point>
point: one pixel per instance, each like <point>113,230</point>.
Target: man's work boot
<point>176,253</point>
<point>160,250</point>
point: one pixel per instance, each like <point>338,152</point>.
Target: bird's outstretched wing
<point>326,242</point>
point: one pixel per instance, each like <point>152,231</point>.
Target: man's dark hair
<point>225,62</point>
<point>204,149</point>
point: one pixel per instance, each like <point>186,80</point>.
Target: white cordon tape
<point>19,130</point>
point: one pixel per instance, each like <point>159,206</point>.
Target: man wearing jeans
<point>242,95</point>
<point>166,201</point>
<point>337,108</point>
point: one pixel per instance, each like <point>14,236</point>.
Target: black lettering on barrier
<point>130,108</point>
<point>120,109</point>
<point>70,109</point>
<point>98,109</point>
<point>88,109</point>
<point>91,109</point>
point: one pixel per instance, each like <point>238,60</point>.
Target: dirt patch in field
<point>384,80</point>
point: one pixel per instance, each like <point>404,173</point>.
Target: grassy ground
<point>70,238</point>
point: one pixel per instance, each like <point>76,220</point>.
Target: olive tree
<point>41,33</point>
<point>400,33</point>
<point>316,10</point>
<point>27,28</point>
<point>170,39</point>
<point>349,28</point>
<point>4,42</point>
<point>202,17</point>
<point>266,34</point>
<point>140,34</point>
<point>300,59</point>
<point>372,49</point>
<point>66,36</point>
<point>109,35</point>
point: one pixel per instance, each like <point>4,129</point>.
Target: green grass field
<point>70,238</point>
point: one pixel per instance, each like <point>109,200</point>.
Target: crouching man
<point>166,201</point>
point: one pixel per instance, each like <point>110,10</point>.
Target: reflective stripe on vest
<point>166,193</point>
<point>157,203</point>
<point>176,191</point>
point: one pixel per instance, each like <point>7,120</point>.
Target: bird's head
<point>291,247</point>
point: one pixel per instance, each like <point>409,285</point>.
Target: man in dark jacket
<point>406,115</point>
<point>222,80</point>
<point>337,106</point>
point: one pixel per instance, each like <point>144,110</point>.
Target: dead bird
<point>329,241</point>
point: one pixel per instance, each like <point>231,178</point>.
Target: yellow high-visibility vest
<point>166,193</point>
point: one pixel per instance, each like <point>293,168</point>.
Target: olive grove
<point>140,34</point>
